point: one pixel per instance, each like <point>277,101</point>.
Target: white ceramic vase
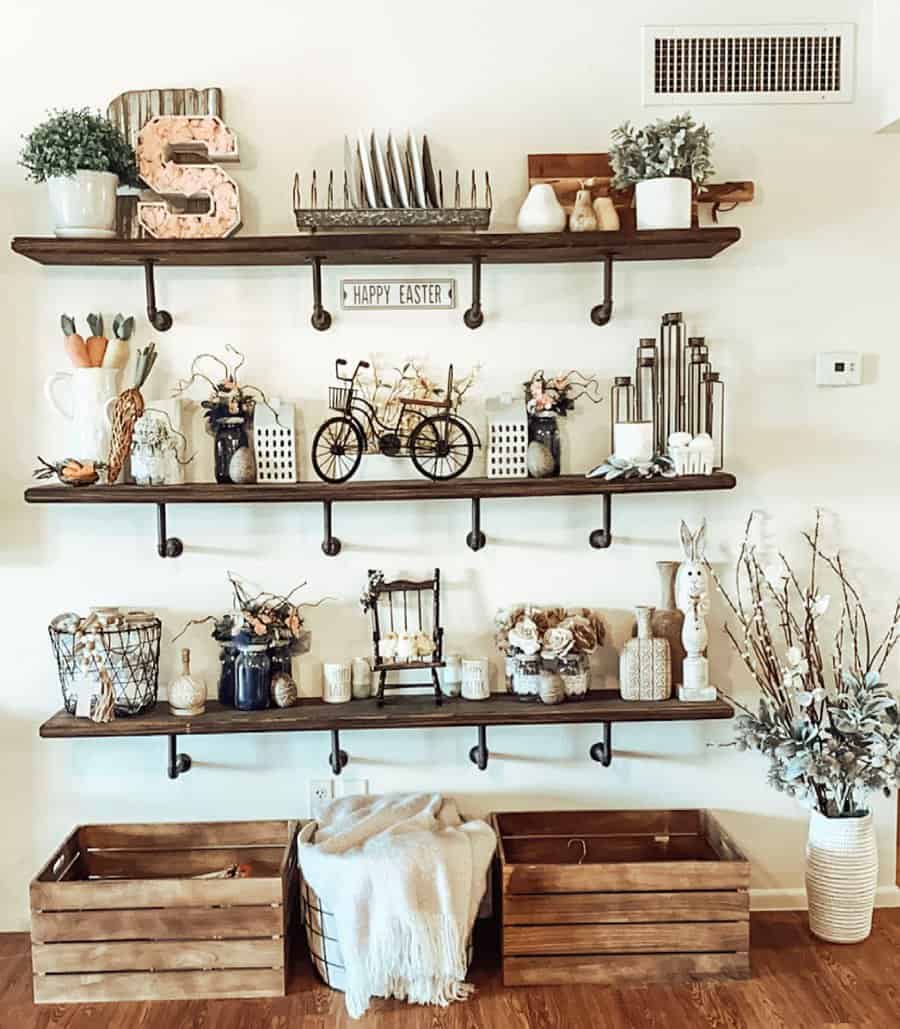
<point>841,877</point>
<point>541,211</point>
<point>476,682</point>
<point>91,393</point>
<point>663,203</point>
<point>83,205</point>
<point>337,682</point>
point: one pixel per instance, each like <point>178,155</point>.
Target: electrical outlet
<point>354,787</point>
<point>321,793</point>
<point>839,368</point>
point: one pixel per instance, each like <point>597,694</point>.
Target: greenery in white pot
<point>83,158</point>
<point>77,140</point>
<point>677,148</point>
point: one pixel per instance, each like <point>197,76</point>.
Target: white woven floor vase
<point>841,877</point>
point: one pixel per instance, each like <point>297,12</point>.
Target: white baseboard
<point>795,900</point>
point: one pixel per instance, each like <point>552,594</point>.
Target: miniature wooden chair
<point>402,630</point>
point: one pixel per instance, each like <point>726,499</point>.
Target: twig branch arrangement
<point>829,726</point>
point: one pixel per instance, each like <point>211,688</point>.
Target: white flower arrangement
<point>828,725</point>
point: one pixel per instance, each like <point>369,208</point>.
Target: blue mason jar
<point>252,677</point>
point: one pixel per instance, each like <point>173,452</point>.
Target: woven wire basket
<point>130,655</point>
<point>339,398</point>
<point>322,935</point>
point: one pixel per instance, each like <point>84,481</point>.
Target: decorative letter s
<point>206,137</point>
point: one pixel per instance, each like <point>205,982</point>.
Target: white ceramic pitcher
<point>91,392</point>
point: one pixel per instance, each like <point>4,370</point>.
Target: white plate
<point>384,181</point>
<point>399,170</point>
<point>418,175</point>
<point>85,233</point>
<point>351,170</point>
<point>362,154</point>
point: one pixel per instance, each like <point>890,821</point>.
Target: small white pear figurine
<point>606,214</point>
<point>582,218</point>
<point>187,694</point>
<point>541,211</point>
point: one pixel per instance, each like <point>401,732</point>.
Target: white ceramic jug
<point>91,393</point>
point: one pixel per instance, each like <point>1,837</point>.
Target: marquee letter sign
<point>159,141</point>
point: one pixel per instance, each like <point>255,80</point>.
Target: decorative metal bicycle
<point>441,445</point>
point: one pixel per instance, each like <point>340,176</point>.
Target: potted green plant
<point>82,157</point>
<point>826,723</point>
<point>664,162</point>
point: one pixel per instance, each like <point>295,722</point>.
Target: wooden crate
<point>116,914</point>
<point>613,897</point>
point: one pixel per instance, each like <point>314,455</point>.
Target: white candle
<point>633,441</point>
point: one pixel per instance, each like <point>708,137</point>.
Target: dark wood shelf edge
<point>390,490</point>
<point>385,247</point>
<point>398,713</point>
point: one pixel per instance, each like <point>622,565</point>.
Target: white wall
<point>490,83</point>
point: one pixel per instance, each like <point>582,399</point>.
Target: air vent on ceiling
<point>758,64</point>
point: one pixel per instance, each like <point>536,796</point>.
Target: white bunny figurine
<point>692,599</point>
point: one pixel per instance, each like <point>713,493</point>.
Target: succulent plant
<point>677,148</point>
<point>77,140</point>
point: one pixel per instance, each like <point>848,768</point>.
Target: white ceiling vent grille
<point>760,64</point>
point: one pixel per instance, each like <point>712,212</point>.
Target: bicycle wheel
<point>441,447</point>
<point>337,449</point>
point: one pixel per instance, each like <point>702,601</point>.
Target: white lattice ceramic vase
<point>841,877</point>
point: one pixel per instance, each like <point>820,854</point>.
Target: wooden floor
<point>797,984</point>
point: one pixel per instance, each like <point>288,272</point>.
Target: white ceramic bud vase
<point>841,877</point>
<point>663,203</point>
<point>541,211</point>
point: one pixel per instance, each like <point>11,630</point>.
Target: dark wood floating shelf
<point>472,489</point>
<point>421,247</point>
<point>386,247</point>
<point>409,712</point>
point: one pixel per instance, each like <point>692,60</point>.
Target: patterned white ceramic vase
<point>841,877</point>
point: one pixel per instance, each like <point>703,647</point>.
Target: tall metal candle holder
<point>697,366</point>
<point>714,415</point>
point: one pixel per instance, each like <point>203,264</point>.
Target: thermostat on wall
<point>839,368</point>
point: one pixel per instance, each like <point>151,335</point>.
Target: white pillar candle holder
<point>451,675</point>
<point>337,682</point>
<point>476,681</point>
<point>633,441</point>
<point>361,681</point>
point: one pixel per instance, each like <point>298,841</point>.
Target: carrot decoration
<point>129,406</point>
<point>116,355</point>
<point>96,342</point>
<point>75,345</point>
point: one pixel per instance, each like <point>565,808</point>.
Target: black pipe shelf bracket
<point>159,319</point>
<point>178,763</point>
<point>601,539</point>
<point>602,313</point>
<point>321,319</point>
<point>602,751</point>
<point>479,754</point>
<point>476,539</point>
<point>166,546</point>
<point>331,545</point>
<point>338,758</point>
<point>474,316</point>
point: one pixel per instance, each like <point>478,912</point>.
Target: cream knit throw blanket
<point>404,877</point>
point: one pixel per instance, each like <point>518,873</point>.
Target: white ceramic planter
<point>84,204</point>
<point>841,877</point>
<point>541,211</point>
<point>663,203</point>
